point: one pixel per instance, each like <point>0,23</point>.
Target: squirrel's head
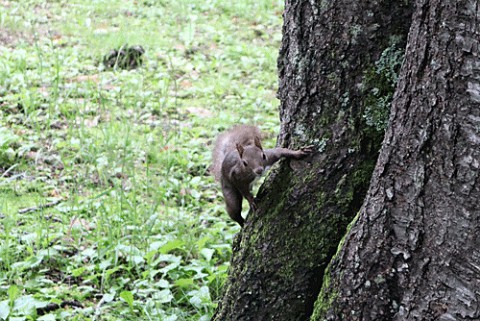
<point>253,157</point>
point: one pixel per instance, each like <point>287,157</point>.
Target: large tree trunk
<point>414,253</point>
<point>326,64</point>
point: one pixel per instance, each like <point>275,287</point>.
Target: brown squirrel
<point>238,159</point>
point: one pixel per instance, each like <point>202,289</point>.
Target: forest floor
<point>107,209</point>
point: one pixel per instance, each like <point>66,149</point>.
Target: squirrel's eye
<point>245,163</point>
<point>264,157</point>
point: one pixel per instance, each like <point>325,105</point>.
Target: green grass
<point>139,231</point>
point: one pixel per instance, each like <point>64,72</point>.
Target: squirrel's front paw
<point>306,150</point>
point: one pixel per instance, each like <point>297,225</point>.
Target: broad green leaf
<point>4,309</point>
<point>104,264</point>
<point>163,296</point>
<point>199,297</point>
<point>196,301</point>
<point>108,297</point>
<point>163,283</point>
<point>201,242</point>
<point>27,304</point>
<point>184,282</point>
<point>155,245</point>
<point>78,272</point>
<point>137,259</point>
<point>111,271</point>
<point>13,293</point>
<point>171,245</point>
<point>127,296</point>
<point>47,317</point>
<point>207,253</point>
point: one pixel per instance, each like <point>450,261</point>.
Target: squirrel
<point>239,159</point>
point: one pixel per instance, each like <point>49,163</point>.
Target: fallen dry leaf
<point>85,78</point>
<point>200,112</point>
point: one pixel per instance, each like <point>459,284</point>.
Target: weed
<point>107,210</point>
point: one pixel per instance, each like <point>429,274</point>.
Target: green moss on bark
<point>328,292</point>
<point>379,84</point>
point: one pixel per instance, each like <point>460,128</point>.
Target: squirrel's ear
<point>240,149</point>
<point>257,142</point>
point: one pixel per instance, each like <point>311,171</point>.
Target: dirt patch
<point>11,38</point>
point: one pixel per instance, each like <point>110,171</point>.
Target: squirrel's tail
<point>218,156</point>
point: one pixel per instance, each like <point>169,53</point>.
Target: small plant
<point>7,151</point>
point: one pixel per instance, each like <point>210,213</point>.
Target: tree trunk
<point>328,72</point>
<point>414,252</point>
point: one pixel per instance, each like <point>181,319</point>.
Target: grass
<point>107,210</point>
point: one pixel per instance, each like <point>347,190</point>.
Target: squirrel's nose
<point>258,170</point>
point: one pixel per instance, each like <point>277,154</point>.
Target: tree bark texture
<point>304,207</point>
<point>414,253</point>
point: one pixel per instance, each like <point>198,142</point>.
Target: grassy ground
<point>107,211</point>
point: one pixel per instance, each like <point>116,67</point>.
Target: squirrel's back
<point>227,141</point>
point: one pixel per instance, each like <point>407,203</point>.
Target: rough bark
<point>414,252</point>
<point>304,207</point>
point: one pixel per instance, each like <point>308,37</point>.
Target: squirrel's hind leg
<point>233,201</point>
